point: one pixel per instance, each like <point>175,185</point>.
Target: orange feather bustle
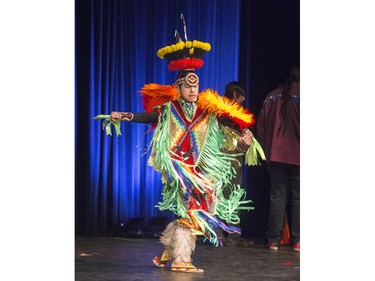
<point>157,95</point>
<point>211,101</point>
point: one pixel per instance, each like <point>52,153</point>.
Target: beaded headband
<point>191,80</point>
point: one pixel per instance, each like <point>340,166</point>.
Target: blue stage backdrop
<point>116,45</point>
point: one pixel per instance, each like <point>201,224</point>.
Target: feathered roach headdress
<point>184,55</point>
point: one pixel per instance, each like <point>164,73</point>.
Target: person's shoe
<point>273,246</point>
<point>161,261</point>
<point>187,267</point>
<point>158,262</point>
<point>296,247</point>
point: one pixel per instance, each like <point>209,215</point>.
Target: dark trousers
<point>285,188</point>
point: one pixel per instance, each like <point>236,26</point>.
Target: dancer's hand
<point>247,137</point>
<point>115,116</point>
<point>125,116</point>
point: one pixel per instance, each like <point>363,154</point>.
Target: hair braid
<point>293,77</point>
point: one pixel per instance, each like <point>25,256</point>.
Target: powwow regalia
<point>187,149</point>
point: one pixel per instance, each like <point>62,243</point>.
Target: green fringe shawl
<point>215,169</point>
<point>215,173</point>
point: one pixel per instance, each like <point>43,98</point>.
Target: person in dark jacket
<point>278,129</point>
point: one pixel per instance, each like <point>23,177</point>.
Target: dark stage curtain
<point>269,45</point>
<point>116,44</point>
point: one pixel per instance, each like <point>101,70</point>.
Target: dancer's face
<point>189,93</point>
<point>238,98</point>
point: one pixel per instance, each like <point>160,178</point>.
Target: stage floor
<point>115,259</point>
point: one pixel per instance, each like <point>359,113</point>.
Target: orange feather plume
<point>211,101</point>
<point>157,95</point>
